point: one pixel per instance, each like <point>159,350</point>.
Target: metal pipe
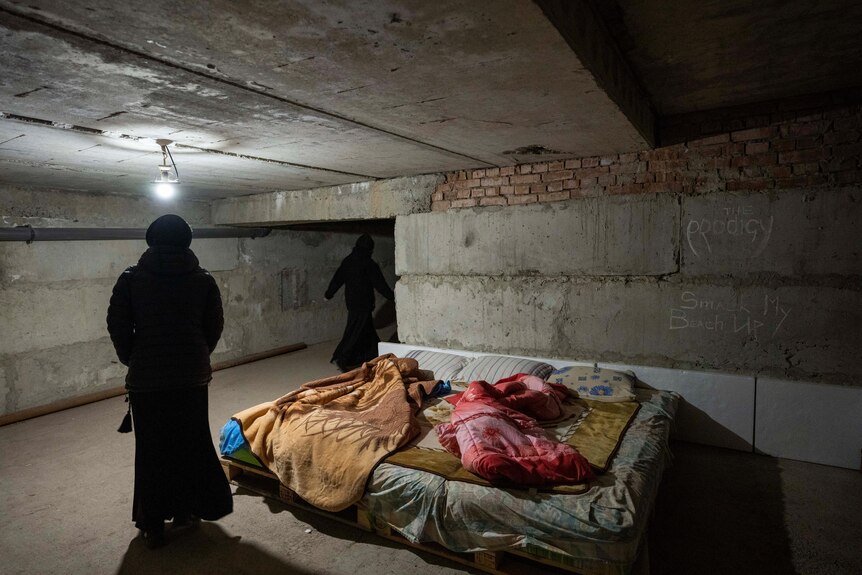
<point>30,234</point>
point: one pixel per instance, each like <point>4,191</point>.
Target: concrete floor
<point>66,480</point>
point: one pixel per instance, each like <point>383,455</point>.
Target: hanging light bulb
<point>168,177</point>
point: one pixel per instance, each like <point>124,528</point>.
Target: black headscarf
<point>169,230</point>
<point>364,245</point>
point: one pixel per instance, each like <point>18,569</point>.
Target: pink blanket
<point>495,433</point>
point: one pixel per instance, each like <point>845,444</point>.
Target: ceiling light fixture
<point>169,177</point>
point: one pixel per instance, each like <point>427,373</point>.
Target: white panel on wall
<point>809,422</point>
<point>716,408</point>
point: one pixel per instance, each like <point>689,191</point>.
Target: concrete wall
<point>54,295</point>
<point>739,252</point>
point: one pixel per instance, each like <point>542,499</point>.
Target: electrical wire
<point>176,171</point>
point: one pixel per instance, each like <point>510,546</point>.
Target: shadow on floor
<point>204,548</point>
<point>719,513</point>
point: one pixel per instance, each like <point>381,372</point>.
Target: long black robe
<point>361,276</point>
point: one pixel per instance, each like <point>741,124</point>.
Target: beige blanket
<point>324,439</point>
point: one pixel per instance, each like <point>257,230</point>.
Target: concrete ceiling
<point>263,95</point>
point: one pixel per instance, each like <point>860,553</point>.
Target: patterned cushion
<point>493,368</point>
<point>593,382</point>
<point>444,365</point>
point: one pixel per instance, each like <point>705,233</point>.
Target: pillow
<point>594,382</point>
<point>493,368</point>
<point>444,365</point>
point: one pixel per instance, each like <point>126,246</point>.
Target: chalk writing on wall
<point>737,227</point>
<point>759,316</point>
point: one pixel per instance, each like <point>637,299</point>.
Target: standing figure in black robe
<point>165,319</point>
<point>360,275</point>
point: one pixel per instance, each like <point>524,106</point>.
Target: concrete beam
<point>361,201</point>
<point>588,37</point>
<point>793,233</point>
<point>803,332</point>
<point>608,235</point>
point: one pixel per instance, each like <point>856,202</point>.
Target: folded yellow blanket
<point>324,439</point>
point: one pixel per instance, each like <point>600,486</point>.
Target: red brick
<point>495,191</point>
<point>492,172</point>
<point>477,193</point>
<point>466,203</point>
<point>585,182</point>
<point>572,164</point>
<point>507,170</point>
<point>465,193</point>
<point>495,181</point>
<point>808,128</point>
<point>754,134</point>
<point>806,143</point>
<point>799,156</point>
<point>462,184</point>
<point>608,160</point>
<point>630,168</point>
<point>627,158</point>
<point>570,184</point>
<point>525,169</point>
<point>554,197</point>
<point>451,177</point>
<point>784,145</point>
<point>540,168</point>
<point>440,206</point>
<point>625,178</point>
<point>806,169</point>
<point>764,159</point>
<point>450,195</point>
<point>756,148</point>
<point>644,177</point>
<point>522,189</point>
<point>525,179</point>
<point>591,172</point>
<point>557,175</point>
<point>477,174</point>
<point>538,188</point>
<point>555,166</point>
<point>606,180</point>
<point>507,190</point>
<point>555,186</point>
<point>591,162</point>
<point>842,137</point>
<point>437,196</point>
<point>528,199</point>
<point>714,151</point>
<point>493,201</point>
<point>777,172</point>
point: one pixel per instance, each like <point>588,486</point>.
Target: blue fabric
<point>442,388</point>
<point>230,439</point>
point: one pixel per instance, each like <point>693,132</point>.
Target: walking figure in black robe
<point>360,275</point>
<point>165,319</point>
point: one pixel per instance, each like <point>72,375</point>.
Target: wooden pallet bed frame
<point>508,562</point>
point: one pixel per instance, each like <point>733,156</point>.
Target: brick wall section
<point>815,150</point>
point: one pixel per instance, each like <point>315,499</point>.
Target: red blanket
<point>495,433</point>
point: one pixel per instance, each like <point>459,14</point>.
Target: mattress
<point>598,530</point>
